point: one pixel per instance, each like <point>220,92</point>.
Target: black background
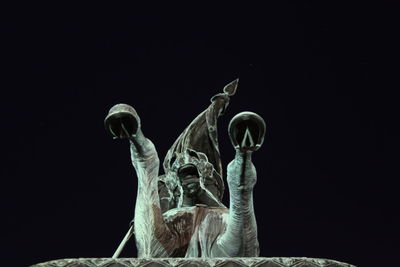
<point>321,75</point>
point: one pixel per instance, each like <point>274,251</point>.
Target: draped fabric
<point>199,142</point>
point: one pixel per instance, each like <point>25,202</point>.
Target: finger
<point>127,135</point>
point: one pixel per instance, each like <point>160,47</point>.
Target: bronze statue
<point>180,214</point>
<point>179,218</point>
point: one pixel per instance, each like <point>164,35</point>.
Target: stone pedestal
<point>194,262</point>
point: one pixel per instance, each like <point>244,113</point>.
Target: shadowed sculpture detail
<point>179,213</point>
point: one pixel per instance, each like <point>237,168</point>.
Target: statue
<point>179,218</point>
<point>180,214</point>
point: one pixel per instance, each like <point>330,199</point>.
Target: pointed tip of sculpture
<point>230,88</point>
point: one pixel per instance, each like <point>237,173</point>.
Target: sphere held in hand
<point>119,117</point>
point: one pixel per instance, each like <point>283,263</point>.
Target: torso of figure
<point>198,228</point>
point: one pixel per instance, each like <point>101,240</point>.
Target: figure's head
<point>191,180</point>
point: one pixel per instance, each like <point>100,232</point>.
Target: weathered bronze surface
<point>180,213</point>
<point>181,262</point>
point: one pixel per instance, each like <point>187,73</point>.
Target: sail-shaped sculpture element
<point>196,151</point>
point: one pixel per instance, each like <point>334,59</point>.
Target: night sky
<point>321,76</point>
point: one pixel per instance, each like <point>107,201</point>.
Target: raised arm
<point>151,232</point>
<point>240,238</point>
<point>153,237</point>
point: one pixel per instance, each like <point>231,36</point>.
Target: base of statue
<point>194,262</point>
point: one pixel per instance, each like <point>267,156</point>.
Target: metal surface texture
<point>181,262</point>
